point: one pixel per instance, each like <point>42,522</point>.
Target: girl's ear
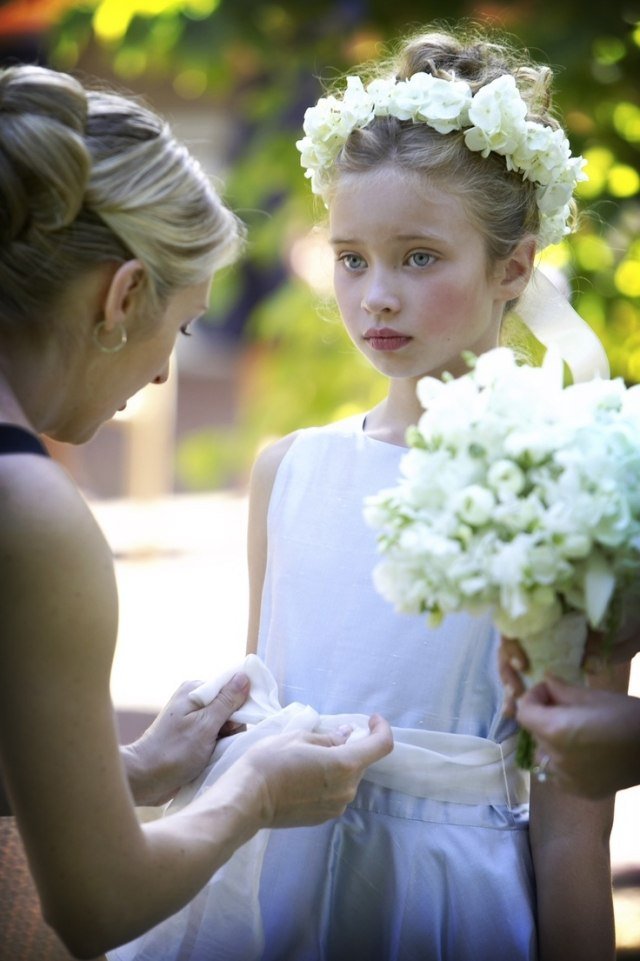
<point>124,294</point>
<point>515,271</point>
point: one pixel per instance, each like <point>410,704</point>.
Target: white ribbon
<point>428,764</point>
<point>551,318</point>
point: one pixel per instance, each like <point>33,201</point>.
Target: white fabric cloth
<point>552,319</point>
<point>448,767</point>
<point>423,763</point>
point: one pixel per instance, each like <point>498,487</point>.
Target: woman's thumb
<point>232,695</point>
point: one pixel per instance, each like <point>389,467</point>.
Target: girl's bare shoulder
<point>268,461</point>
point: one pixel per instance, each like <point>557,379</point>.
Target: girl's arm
<point>262,479</point>
<point>102,877</point>
<point>570,847</point>
<point>569,842</point>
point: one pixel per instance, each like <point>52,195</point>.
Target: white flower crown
<point>493,120</point>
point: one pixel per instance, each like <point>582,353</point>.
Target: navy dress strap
<point>17,440</point>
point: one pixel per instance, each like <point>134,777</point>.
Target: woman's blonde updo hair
<point>501,204</point>
<point>88,177</point>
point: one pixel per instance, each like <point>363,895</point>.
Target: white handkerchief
<point>263,696</point>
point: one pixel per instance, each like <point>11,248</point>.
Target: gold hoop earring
<point>109,348</point>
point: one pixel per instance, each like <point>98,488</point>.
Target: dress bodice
<point>328,637</point>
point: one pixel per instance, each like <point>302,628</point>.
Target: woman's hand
<point>598,653</point>
<point>590,737</point>
<point>179,744</point>
<point>307,778</point>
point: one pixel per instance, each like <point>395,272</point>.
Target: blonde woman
<point>109,237</point>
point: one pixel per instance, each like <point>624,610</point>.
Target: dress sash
<point>429,764</point>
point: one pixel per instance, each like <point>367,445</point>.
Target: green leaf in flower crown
<point>517,335</point>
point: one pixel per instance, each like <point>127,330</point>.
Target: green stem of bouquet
<point>525,750</point>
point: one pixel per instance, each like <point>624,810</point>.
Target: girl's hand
<point>512,660</point>
<point>178,745</point>
<point>307,778</point>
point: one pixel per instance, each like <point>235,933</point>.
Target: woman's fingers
<point>376,745</point>
<point>310,777</point>
<point>230,699</point>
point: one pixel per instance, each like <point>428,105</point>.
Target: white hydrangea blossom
<point>493,120</point>
<point>517,495</point>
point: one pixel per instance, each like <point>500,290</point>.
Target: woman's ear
<point>515,270</point>
<point>124,294</point>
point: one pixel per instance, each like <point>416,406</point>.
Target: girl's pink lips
<point>385,338</point>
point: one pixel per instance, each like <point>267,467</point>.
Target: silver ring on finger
<point>542,772</point>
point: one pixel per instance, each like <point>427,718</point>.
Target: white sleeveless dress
<point>431,861</point>
<point>397,878</point>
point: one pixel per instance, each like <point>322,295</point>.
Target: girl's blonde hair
<point>88,177</point>
<point>500,202</point>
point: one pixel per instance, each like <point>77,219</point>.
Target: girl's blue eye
<point>420,258</point>
<point>352,261</point>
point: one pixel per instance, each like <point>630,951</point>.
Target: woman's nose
<point>163,376</point>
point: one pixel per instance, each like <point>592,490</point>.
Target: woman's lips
<point>385,338</point>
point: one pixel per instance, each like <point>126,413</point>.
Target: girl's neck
<point>388,422</point>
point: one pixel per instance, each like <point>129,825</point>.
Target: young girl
<point>443,174</point>
<point>439,192</point>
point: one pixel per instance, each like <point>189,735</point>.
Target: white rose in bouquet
<point>521,496</point>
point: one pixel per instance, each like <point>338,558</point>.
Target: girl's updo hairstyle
<point>89,177</point>
<point>501,204</point>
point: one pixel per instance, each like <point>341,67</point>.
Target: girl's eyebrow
<point>405,238</point>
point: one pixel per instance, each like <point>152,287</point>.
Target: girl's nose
<point>380,298</point>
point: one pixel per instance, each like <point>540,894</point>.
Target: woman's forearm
<point>167,863</point>
<point>136,876</point>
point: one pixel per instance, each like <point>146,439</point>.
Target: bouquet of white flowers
<point>521,496</point>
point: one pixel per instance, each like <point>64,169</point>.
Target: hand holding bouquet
<point>517,495</point>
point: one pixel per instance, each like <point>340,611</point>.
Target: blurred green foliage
<point>263,63</point>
